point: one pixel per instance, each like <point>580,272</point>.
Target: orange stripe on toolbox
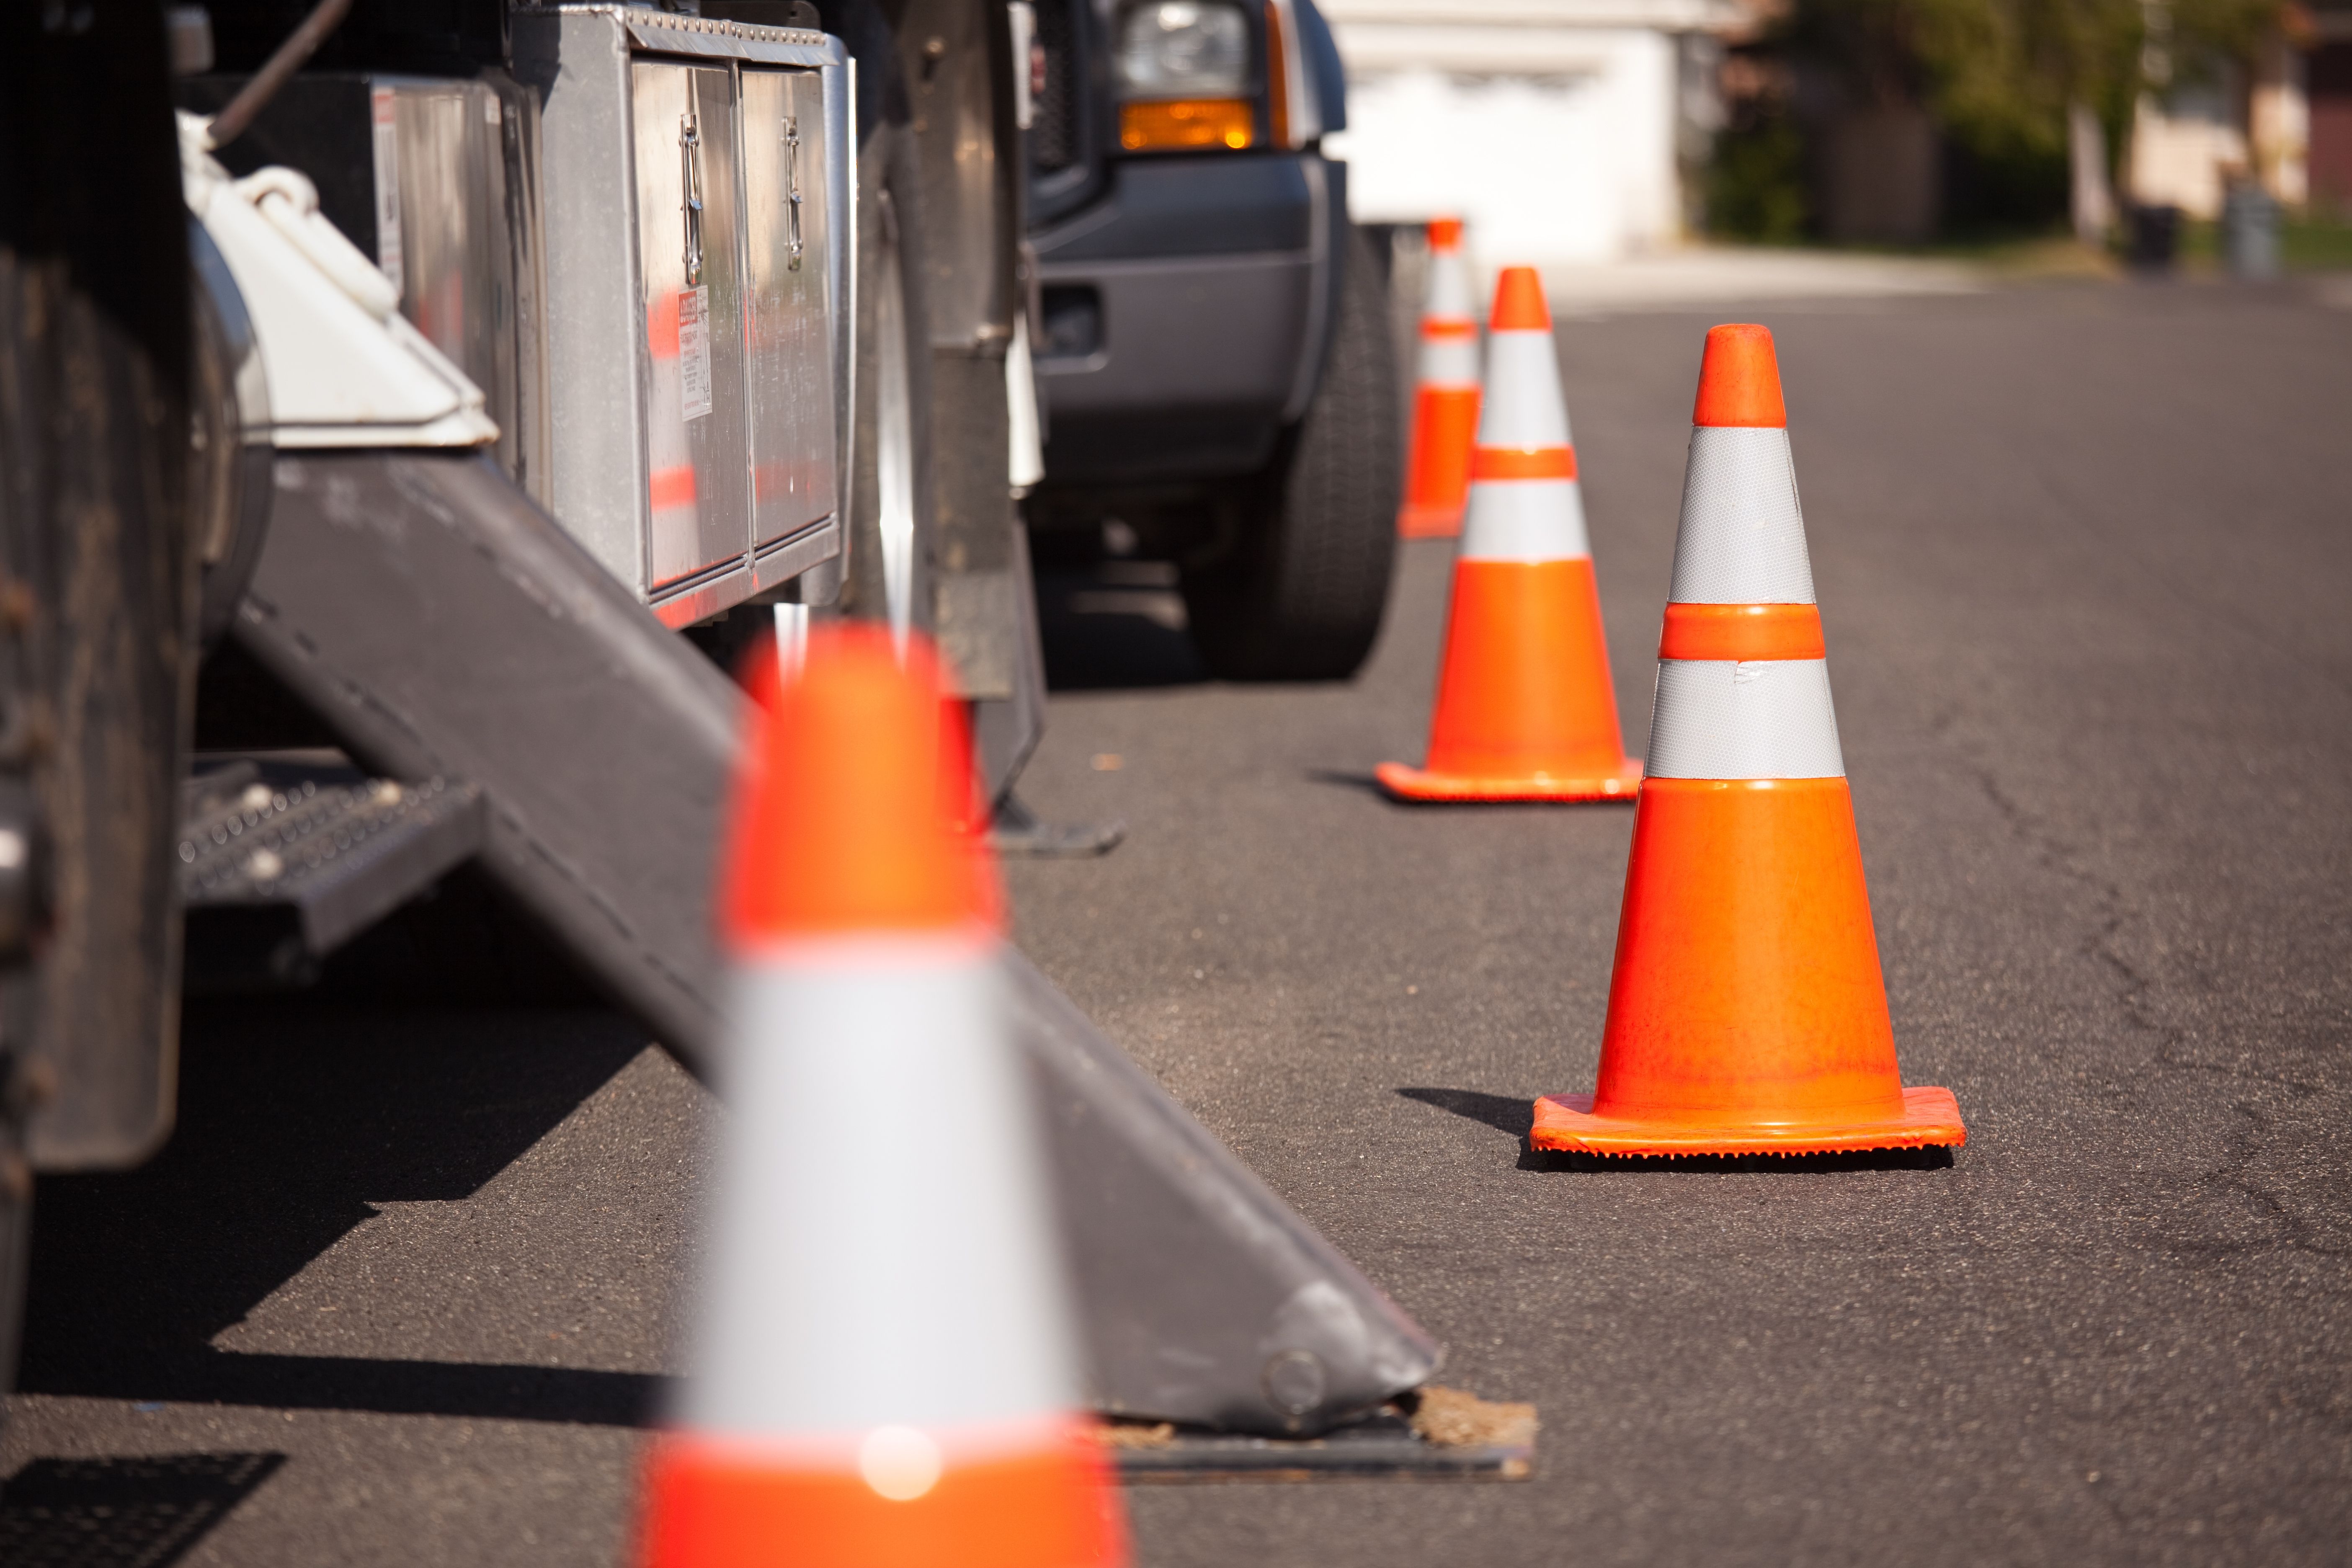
<point>1523,463</point>
<point>672,486</point>
<point>661,325</point>
<point>1742,631</point>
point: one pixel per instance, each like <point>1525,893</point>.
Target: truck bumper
<point>1186,316</point>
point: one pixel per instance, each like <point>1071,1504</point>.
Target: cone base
<point>1565,1122</point>
<point>1051,1502</point>
<point>1420,784</point>
<point>1430,522</point>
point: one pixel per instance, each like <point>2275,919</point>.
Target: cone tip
<point>1445,234</point>
<point>1739,379</point>
<point>1519,302</point>
<point>853,809</point>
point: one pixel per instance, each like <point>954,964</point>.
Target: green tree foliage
<point>1997,74</point>
<point>1756,185</point>
<point>2197,36</point>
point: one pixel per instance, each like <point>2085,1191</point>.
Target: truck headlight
<point>1184,76</point>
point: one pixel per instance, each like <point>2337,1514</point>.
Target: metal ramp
<point>446,629</point>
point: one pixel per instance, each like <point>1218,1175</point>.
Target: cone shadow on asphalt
<point>1370,786</point>
<point>1515,1114</point>
<point>1511,1113</point>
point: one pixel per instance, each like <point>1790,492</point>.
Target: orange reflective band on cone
<point>1525,710</point>
<point>879,840</point>
<point>1742,632</point>
<point>1523,463</point>
<point>1445,234</point>
<point>1746,1012</point>
<point>713,1504</point>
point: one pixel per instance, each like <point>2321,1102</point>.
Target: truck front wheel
<point>1298,592</point>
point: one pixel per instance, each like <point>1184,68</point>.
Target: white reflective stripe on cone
<point>1745,719</point>
<point>1742,540</point>
<point>1523,408</point>
<point>1525,520</point>
<point>1449,287</point>
<point>882,1245</point>
<point>1449,360</point>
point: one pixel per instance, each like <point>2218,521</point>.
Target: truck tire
<point>892,516</point>
<point>98,645</point>
<point>1299,595</point>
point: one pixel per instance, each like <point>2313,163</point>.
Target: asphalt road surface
<point>400,1290</point>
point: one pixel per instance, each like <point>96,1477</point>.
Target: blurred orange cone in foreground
<point>1446,400</point>
<point>1525,710</point>
<point>1747,1013</point>
<point>884,1370</point>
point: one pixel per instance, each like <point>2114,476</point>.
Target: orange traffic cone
<point>885,1374</point>
<point>1746,1013</point>
<point>1446,400</point>
<point>1525,710</point>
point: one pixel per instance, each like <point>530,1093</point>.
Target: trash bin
<point>2249,230</point>
<point>2155,237</point>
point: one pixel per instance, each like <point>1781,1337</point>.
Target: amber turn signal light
<point>1185,123</point>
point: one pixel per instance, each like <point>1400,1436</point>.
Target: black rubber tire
<point>890,177</point>
<point>1300,594</point>
<point>100,568</point>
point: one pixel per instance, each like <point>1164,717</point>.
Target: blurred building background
<point>2243,113</point>
<point>1592,130</point>
<point>1562,130</point>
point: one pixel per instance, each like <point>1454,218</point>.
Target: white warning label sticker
<point>694,351</point>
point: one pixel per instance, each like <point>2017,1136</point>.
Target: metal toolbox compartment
<point>460,247</point>
<point>698,293</point>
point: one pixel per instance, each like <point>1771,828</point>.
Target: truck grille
<point>1053,127</point>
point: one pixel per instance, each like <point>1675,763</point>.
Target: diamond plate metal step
<point>286,856</point>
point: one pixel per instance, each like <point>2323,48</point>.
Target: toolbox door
<point>688,229</point>
<point>787,276</point>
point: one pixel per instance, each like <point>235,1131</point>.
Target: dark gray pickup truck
<point>1214,360</point>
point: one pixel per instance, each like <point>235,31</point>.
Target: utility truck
<point>405,416</point>
<point>1215,355</point>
